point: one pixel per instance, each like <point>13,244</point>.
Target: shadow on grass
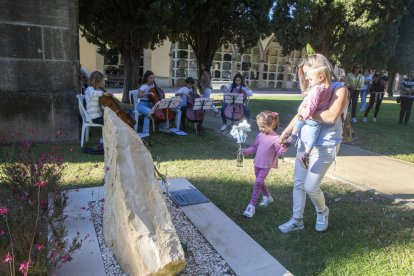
<point>364,228</point>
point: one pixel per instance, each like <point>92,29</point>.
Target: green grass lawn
<point>386,137</point>
<point>368,235</point>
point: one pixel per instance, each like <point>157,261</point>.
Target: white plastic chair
<point>86,120</point>
<point>134,101</point>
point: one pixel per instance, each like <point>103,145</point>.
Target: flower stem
<point>34,230</point>
<point>12,271</point>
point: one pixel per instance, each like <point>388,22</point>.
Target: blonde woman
<point>307,181</point>
<point>355,82</point>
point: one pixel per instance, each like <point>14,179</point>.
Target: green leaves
<point>362,31</point>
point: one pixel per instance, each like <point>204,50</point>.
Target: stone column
<point>39,70</point>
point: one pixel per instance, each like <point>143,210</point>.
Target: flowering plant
<point>239,133</point>
<point>31,212</point>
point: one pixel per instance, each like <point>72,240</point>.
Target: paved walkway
<point>363,169</point>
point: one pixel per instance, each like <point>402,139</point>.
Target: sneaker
<point>266,200</point>
<point>224,127</point>
<point>143,135</point>
<point>292,225</point>
<point>354,120</point>
<point>304,160</point>
<point>374,120</point>
<point>250,211</point>
<point>322,220</point>
<point>164,130</point>
<point>365,120</point>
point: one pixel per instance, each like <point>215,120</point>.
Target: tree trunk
<point>131,78</point>
<point>391,82</point>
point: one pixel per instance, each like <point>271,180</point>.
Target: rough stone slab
<point>20,41</point>
<point>244,255</point>
<point>39,12</point>
<point>137,224</point>
<point>87,260</point>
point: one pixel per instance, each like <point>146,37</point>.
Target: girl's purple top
<point>267,149</point>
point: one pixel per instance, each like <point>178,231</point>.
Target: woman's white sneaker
<point>292,225</point>
<point>322,220</point>
<point>266,200</point>
<point>250,211</point>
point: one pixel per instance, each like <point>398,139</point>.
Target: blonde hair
<point>270,118</point>
<point>95,77</point>
<point>315,60</point>
<point>322,71</point>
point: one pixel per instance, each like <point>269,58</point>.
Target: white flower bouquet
<point>239,133</point>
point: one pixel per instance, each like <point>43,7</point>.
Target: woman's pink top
<point>267,149</point>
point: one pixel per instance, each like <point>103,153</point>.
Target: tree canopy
<point>214,23</point>
<point>346,31</point>
<point>129,26</point>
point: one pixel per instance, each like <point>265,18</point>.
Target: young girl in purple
<point>267,149</point>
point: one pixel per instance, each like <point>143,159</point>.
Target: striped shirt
<point>318,98</point>
<point>93,107</point>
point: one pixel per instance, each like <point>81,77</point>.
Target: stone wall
<point>39,69</point>
<point>137,224</point>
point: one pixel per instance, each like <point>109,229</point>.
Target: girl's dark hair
<point>189,80</point>
<point>146,75</point>
<point>237,76</point>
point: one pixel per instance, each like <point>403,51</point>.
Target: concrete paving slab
<point>244,255</point>
<point>88,260</point>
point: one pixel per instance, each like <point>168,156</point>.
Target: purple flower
<point>65,259</point>
<point>8,258</point>
<point>39,246</point>
<point>2,232</point>
<point>4,211</point>
<point>24,267</point>
<point>40,184</point>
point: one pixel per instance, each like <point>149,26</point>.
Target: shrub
<point>32,235</point>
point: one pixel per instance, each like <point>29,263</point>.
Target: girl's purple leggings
<point>259,184</point>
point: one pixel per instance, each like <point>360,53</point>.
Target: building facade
<point>265,65</point>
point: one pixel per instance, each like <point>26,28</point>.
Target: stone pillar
<point>39,70</point>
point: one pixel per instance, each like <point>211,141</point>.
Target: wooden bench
<point>114,80</point>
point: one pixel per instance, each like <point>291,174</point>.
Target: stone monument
<point>137,223</point>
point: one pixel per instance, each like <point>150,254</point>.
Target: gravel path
<point>201,257</point>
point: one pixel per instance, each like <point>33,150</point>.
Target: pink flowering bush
<point>33,239</point>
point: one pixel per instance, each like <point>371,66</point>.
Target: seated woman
<point>186,93</point>
<point>146,103</point>
<point>238,86</point>
<point>95,84</point>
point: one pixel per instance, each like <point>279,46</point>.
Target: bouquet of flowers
<point>239,132</point>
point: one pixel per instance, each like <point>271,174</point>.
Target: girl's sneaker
<point>292,225</point>
<point>304,160</point>
<point>266,200</point>
<point>250,211</point>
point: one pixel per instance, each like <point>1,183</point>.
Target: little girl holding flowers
<point>267,149</point>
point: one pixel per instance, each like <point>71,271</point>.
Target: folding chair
<point>86,120</point>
